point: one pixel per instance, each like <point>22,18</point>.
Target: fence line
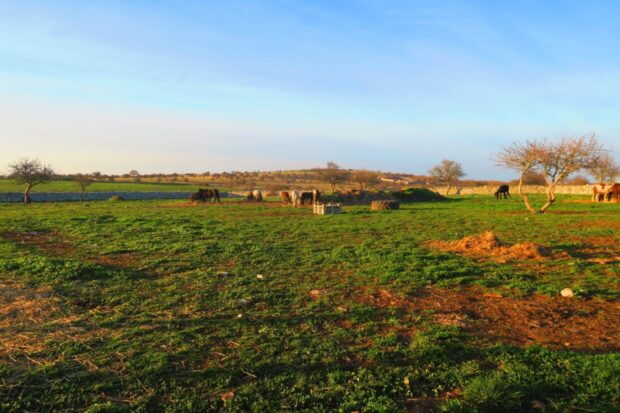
<point>97,196</point>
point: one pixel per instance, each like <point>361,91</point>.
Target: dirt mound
<point>555,322</point>
<point>417,195</point>
<point>487,245</point>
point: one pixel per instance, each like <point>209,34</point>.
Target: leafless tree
<point>523,158</point>
<point>447,172</point>
<point>30,172</point>
<point>605,170</point>
<point>333,175</point>
<point>365,179</point>
<point>555,160</point>
<point>83,182</point>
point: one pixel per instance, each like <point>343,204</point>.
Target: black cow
<point>502,190</point>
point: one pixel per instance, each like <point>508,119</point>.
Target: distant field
<point>241,307</point>
<point>70,186</point>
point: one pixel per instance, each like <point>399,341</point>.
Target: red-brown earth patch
<point>48,241</point>
<point>554,322</point>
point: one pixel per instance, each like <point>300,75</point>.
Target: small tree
<point>333,175</point>
<point>30,172</point>
<point>605,170</point>
<point>555,160</point>
<point>447,172</point>
<point>365,179</point>
<point>83,182</point>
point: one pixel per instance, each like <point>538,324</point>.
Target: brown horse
<point>613,193</point>
<point>286,197</point>
<point>255,196</point>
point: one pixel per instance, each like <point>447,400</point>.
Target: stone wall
<point>96,196</point>
<point>528,189</point>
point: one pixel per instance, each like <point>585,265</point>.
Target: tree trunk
<point>550,198</point>
<point>27,194</point>
<point>82,196</point>
<point>526,199</point>
<point>448,189</point>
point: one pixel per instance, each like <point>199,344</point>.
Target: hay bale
<point>384,205</point>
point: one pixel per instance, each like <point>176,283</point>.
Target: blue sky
<point>191,86</point>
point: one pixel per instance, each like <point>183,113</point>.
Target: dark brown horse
<point>204,195</point>
<point>502,190</point>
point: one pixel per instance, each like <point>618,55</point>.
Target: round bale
<point>384,205</point>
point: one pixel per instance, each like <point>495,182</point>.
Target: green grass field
<point>160,306</point>
<point>7,185</point>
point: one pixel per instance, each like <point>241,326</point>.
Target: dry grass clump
<point>488,245</point>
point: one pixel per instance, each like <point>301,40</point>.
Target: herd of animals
<point>295,197</point>
<point>607,193</point>
<point>600,193</point>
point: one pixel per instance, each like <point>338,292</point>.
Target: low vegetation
<point>167,306</point>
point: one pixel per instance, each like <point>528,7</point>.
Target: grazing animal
<point>598,193</point>
<point>197,196</point>
<point>216,195</point>
<point>502,190</point>
<point>316,196</point>
<point>305,197</point>
<point>258,195</point>
<point>286,197</point>
<point>204,195</point>
<point>295,197</point>
<point>613,193</point>
<point>255,195</point>
<point>605,193</point>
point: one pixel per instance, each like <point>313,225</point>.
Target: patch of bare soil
<point>487,245</point>
<point>52,243</point>
<point>600,250</point>
<point>48,241</point>
<point>555,322</point>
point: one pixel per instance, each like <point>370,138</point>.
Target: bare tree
<point>555,160</point>
<point>522,158</point>
<point>30,172</point>
<point>447,172</point>
<point>560,159</point>
<point>333,175</point>
<point>605,170</point>
<point>365,179</point>
<point>83,182</point>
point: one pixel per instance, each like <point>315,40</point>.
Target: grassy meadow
<point>9,185</point>
<point>164,306</point>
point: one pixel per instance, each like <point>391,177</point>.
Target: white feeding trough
<point>326,209</point>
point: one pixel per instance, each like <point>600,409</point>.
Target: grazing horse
<point>305,197</point>
<point>216,195</point>
<point>502,190</point>
<point>204,195</point>
<point>613,193</point>
<point>197,196</point>
<point>598,193</point>
<point>606,193</point>
<point>295,196</point>
<point>255,195</point>
<point>286,197</point>
<point>316,196</point>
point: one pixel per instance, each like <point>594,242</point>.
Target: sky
<point>195,86</point>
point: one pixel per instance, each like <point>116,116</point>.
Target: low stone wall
<point>528,189</point>
<point>96,196</point>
